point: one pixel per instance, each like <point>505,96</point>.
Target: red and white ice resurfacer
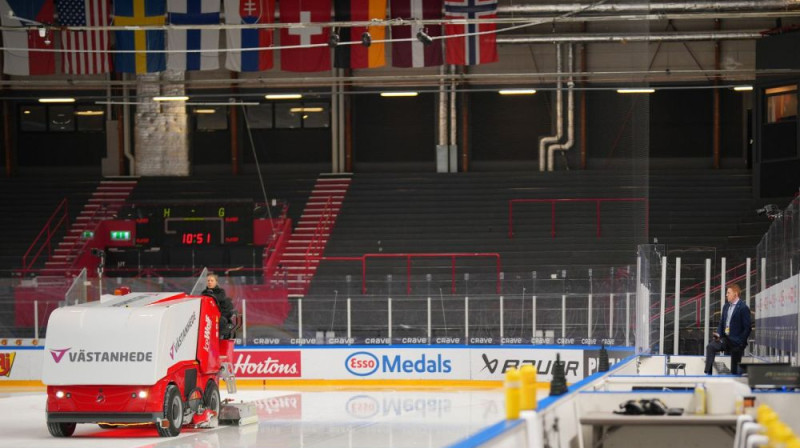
<point>139,358</point>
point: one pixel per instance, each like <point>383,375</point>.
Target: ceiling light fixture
<point>305,109</point>
<point>398,94</point>
<point>743,88</point>
<point>205,111</point>
<point>170,98</point>
<point>517,91</point>
<point>636,90</point>
<point>89,113</point>
<point>56,100</point>
<point>283,96</point>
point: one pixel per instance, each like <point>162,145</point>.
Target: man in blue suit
<point>733,331</point>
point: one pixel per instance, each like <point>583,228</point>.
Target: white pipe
<point>722,287</point>
<point>627,319</point>
<point>300,321</point>
<point>126,131</point>
<point>570,117</point>
<point>533,317</point>
<point>501,319</point>
<point>390,320</point>
<point>466,319</point>
<point>747,283</point>
<point>349,322</point>
<point>563,315</point>
<point>334,125</point>
<point>706,318</point>
<point>693,36</point>
<point>711,6</point>
<point>544,141</point>
<point>36,319</point>
<point>429,321</point>
<point>676,330</point>
<point>663,300</point>
<point>611,316</point>
<point>589,320</point>
<point>244,321</point>
<point>342,149</point>
<point>453,126</point>
<point>442,137</point>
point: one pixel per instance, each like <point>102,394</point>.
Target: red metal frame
<point>409,257</point>
<point>316,246</point>
<point>61,216</point>
<point>553,202</point>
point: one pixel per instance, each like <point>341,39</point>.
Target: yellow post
<point>512,394</point>
<point>528,389</point>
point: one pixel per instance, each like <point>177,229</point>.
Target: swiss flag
<point>314,59</point>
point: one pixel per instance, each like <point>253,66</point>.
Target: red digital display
<point>196,238</point>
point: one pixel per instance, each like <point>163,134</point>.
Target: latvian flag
<point>414,53</point>
<point>193,49</point>
<point>467,47</point>
<point>20,57</point>
<point>241,12</point>
<point>359,56</point>
<point>314,59</point>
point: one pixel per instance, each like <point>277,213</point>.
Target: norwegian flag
<point>466,46</point>
<point>85,52</point>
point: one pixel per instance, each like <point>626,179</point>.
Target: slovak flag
<point>314,59</point>
<point>467,47</point>
<point>19,57</point>
<point>193,49</point>
<point>142,50</point>
<point>414,53</point>
<point>240,12</point>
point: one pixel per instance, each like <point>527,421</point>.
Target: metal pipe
<point>126,131</point>
<point>570,117</point>
<point>442,137</point>
<point>706,318</point>
<point>544,141</point>
<point>335,126</point>
<point>533,317</point>
<point>628,38</point>
<point>677,308</point>
<point>663,300</point>
<point>722,288</point>
<point>502,322</point>
<point>654,7</point>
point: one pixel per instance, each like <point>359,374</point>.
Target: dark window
<point>288,115</point>
<point>315,115</point>
<point>61,118</point>
<point>259,117</point>
<point>781,104</point>
<point>90,118</point>
<point>211,118</point>
<point>33,118</point>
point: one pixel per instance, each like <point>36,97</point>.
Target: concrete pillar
<point>161,128</point>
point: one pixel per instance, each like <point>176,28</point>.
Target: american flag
<point>86,52</point>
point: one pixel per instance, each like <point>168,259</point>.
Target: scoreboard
<point>194,224</point>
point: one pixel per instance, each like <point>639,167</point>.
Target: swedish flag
<point>140,51</point>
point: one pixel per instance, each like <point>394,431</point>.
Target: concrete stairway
<point>103,204</point>
<point>310,236</point>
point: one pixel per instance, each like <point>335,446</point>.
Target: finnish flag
<point>193,49</point>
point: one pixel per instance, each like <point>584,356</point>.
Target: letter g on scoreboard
<point>362,363</point>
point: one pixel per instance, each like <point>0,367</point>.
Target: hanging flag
<point>314,59</point>
<point>360,56</point>
<point>467,47</point>
<point>23,55</point>
<point>85,52</point>
<point>239,12</point>
<point>193,49</point>
<point>148,45</point>
<point>414,53</point>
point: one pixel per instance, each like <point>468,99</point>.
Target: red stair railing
<point>553,202</point>
<point>59,217</point>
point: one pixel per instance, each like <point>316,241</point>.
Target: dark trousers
<point>724,344</point>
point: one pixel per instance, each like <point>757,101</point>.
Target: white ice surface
<point>289,419</point>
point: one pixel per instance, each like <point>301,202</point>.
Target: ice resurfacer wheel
<point>211,397</point>
<point>58,429</point>
<point>173,413</point>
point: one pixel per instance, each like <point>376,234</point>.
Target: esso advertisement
<point>397,363</point>
<point>267,364</point>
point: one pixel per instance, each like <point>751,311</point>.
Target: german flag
<point>358,55</point>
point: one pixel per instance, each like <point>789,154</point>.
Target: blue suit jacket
<point>740,323</point>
